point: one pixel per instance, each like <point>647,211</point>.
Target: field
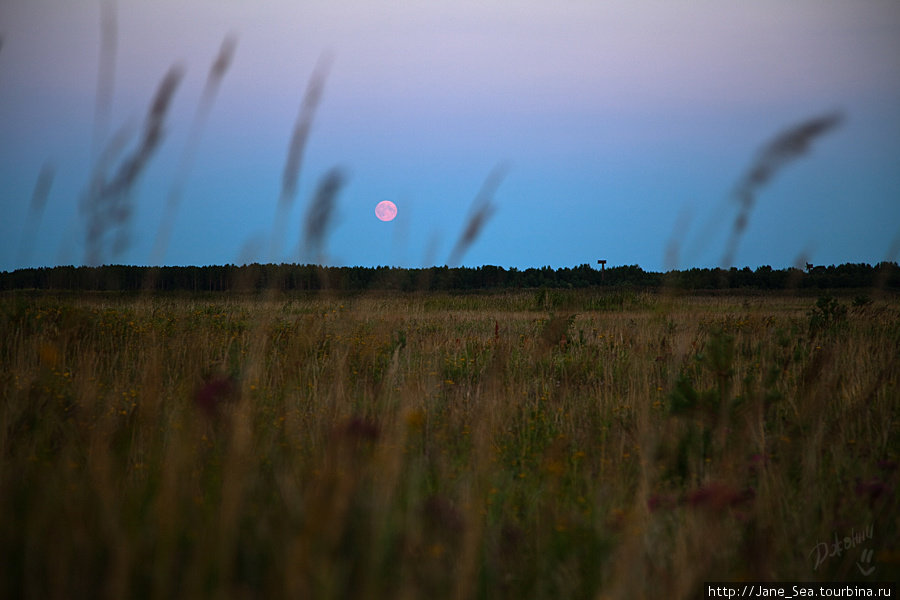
<point>539,444</point>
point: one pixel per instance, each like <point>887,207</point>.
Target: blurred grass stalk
<point>296,150</point>
<point>214,78</point>
<point>109,198</point>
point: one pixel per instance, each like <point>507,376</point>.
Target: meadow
<point>534,443</point>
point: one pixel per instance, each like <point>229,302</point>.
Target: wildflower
<point>718,496</point>
<point>215,391</point>
<point>873,489</point>
<point>415,419</point>
<point>757,461</point>
<point>359,430</point>
<point>887,465</point>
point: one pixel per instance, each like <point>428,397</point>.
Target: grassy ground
<point>542,444</point>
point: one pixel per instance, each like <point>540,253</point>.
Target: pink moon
<point>386,210</point>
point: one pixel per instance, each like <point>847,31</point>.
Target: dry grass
<point>439,445</point>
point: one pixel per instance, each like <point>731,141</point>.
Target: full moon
<point>386,210</point>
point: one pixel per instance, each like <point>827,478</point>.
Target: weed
<point>827,313</point>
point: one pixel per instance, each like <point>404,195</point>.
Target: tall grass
<point>786,146</point>
<point>296,150</point>
<point>217,71</point>
<point>35,212</point>
<point>482,210</point>
<point>405,446</point>
<point>109,198</point>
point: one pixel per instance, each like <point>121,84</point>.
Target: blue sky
<point>623,127</point>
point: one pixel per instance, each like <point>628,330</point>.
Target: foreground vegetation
<point>523,444</point>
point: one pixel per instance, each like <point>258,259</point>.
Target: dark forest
<point>292,277</point>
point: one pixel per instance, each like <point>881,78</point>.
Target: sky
<point>582,130</point>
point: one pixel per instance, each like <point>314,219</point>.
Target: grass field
<point>540,444</point>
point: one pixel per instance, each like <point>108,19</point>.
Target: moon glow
<point>386,210</point>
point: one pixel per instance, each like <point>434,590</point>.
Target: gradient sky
<point>624,127</point>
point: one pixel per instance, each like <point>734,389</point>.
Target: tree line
<point>293,277</point>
